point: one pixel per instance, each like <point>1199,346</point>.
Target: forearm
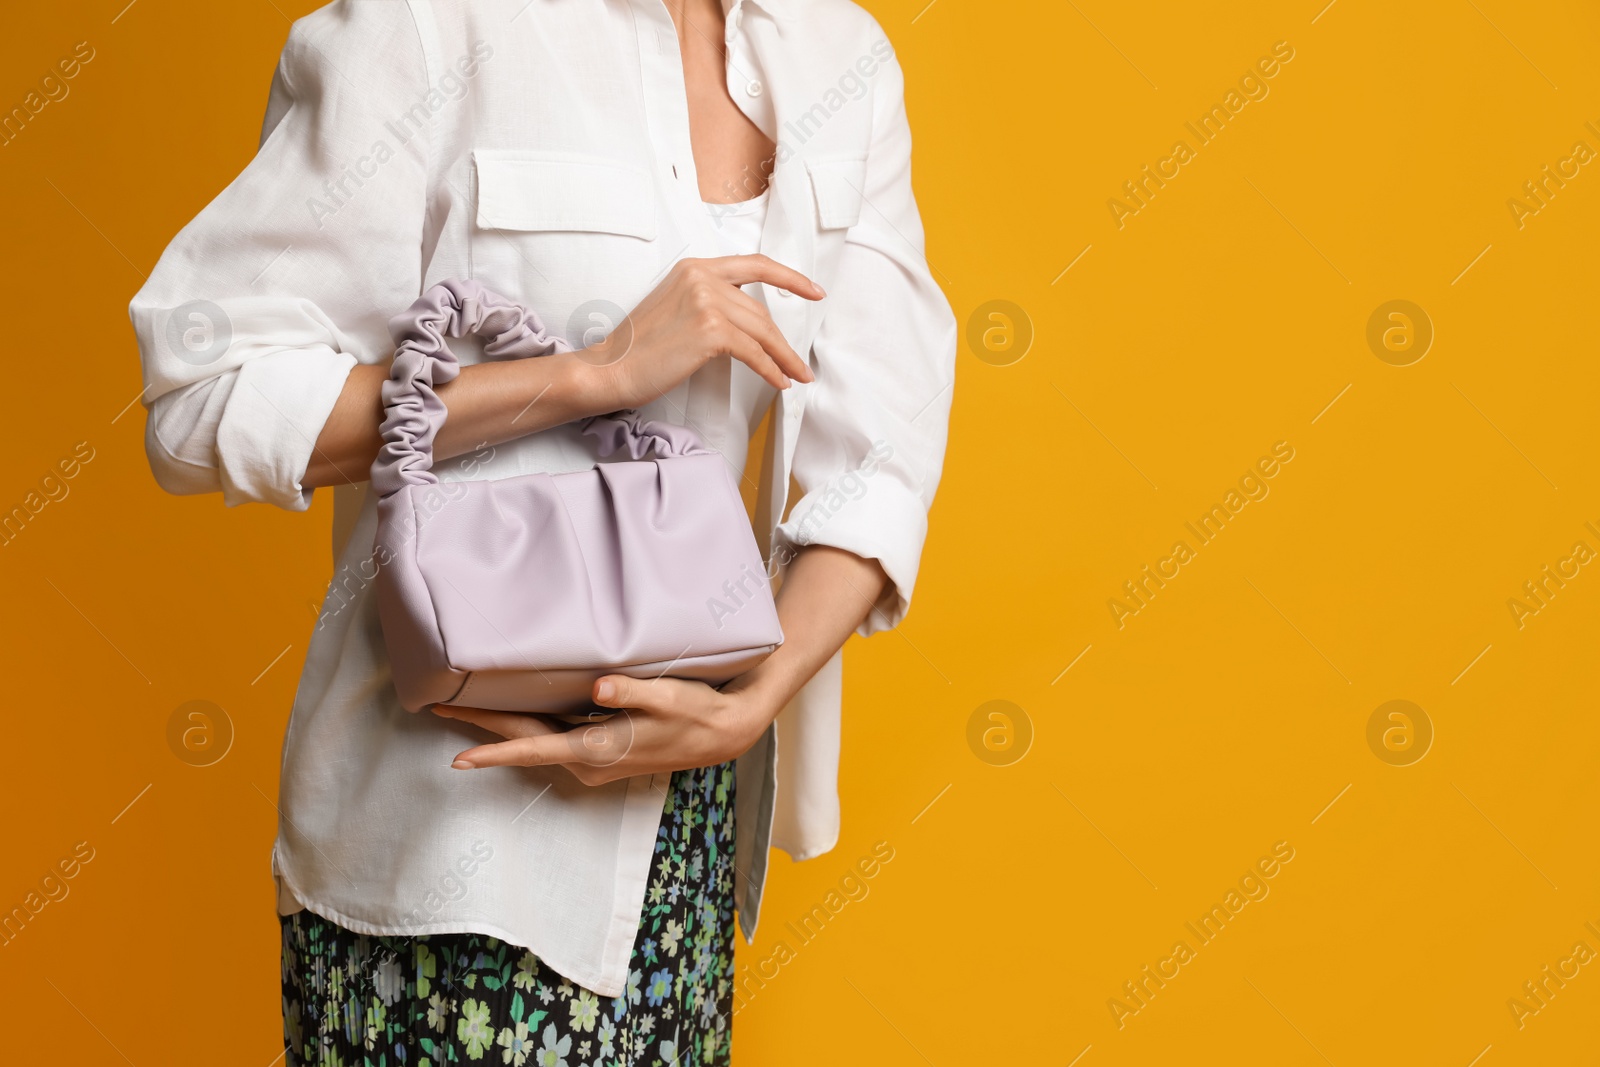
<point>488,403</point>
<point>695,315</point>
<point>826,593</point>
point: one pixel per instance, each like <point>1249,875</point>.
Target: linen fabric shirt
<point>542,147</point>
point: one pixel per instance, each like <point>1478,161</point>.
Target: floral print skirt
<point>353,1000</point>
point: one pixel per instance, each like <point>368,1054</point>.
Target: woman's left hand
<point>672,724</point>
<point>659,725</point>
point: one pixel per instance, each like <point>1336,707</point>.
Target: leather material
<point>516,594</point>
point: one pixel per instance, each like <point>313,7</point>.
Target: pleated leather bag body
<point>516,594</point>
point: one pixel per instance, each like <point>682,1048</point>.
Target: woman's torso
<point>562,173</point>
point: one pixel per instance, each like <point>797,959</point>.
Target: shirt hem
<point>589,979</point>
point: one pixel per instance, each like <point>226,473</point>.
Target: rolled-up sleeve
<point>258,309</point>
<point>871,444</point>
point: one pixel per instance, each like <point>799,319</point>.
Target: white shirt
<point>542,146</point>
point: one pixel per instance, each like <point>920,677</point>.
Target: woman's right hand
<point>698,313</point>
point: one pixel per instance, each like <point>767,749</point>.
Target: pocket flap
<point>532,191</point>
<point>837,185</point>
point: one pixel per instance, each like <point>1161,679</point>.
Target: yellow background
<point>1224,717</point>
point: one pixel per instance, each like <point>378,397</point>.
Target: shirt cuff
<point>874,518</point>
<point>278,406</point>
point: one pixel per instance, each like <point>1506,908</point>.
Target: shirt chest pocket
<point>562,231</point>
<point>837,183</point>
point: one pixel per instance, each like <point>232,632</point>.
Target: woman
<point>467,884</point>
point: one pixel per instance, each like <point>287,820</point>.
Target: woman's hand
<point>671,724</point>
<point>660,725</point>
<point>698,312</point>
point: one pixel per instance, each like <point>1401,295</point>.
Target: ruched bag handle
<point>413,412</point>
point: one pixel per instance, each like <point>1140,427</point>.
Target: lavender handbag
<point>516,594</point>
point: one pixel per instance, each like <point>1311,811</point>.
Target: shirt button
<point>754,88</point>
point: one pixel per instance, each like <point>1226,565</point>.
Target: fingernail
<point>821,290</point>
<point>462,765</point>
<point>605,690</point>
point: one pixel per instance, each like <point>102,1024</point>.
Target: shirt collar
<point>781,10</point>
